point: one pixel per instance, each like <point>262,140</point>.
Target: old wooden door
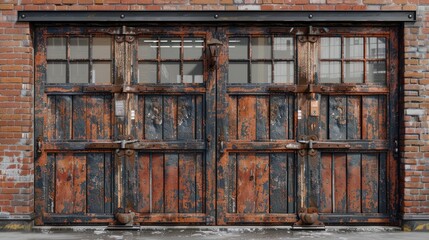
<point>124,122</point>
<point>307,118</point>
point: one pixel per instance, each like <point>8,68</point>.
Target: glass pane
<point>353,72</point>
<point>376,47</point>
<point>283,72</point>
<point>170,72</point>
<point>79,48</point>
<point>148,73</point>
<point>376,72</point>
<point>330,72</point>
<point>148,48</point>
<point>193,72</point>
<point>170,48</point>
<point>353,48</point>
<point>101,73</point>
<point>101,48</point>
<point>283,48</point>
<point>330,48</point>
<point>238,73</point>
<point>79,73</point>
<point>261,48</point>
<point>238,48</point>
<point>56,48</point>
<point>193,48</point>
<point>56,73</point>
<point>261,73</point>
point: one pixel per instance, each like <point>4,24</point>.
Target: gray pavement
<point>248,233</point>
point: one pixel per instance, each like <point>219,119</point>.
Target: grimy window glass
<point>352,60</point>
<point>79,60</point>
<point>170,60</point>
<point>261,59</point>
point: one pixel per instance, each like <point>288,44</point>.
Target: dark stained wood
<point>279,173</point>
<point>144,183</point>
<point>170,118</point>
<point>326,182</point>
<point>354,117</point>
<point>246,125</point>
<point>382,183</point>
<point>63,117</point>
<point>199,117</point>
<point>232,118</point>
<point>186,183</point>
<point>186,117</point>
<point>370,117</point>
<point>171,183</point>
<point>370,168</point>
<point>95,183</point>
<point>262,183</point>
<point>153,117</point>
<point>279,117</point>
<point>291,183</point>
<point>263,118</point>
<point>337,118</point>
<point>199,183</point>
<point>79,183</point>
<point>108,183</point>
<point>340,183</point>
<point>354,183</point>
<point>231,183</point>
<point>79,118</point>
<point>95,121</point>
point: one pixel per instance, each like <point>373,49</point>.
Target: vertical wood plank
<point>326,189</point>
<point>370,117</point>
<point>279,183</point>
<point>171,183</point>
<point>354,183</point>
<point>108,181</point>
<point>51,121</point>
<point>231,183</point>
<point>291,183</point>
<point>263,118</point>
<point>157,183</point>
<point>64,184</point>
<point>153,117</point>
<point>186,117</point>
<point>262,183</point>
<point>144,182</point>
<point>246,118</point>
<point>95,183</point>
<point>337,118</point>
<point>232,117</point>
<point>95,120</point>
<point>278,117</point>
<point>141,117</point>
<point>290,123</point>
<point>370,183</point>
<point>353,117</point>
<point>130,182</point>
<point>79,183</point>
<point>324,117</point>
<point>382,186</point>
<point>106,131</point>
<point>186,183</point>
<point>199,182</point>
<point>51,182</point>
<point>340,186</point>
<point>246,192</point>
<point>382,117</point>
<point>79,117</point>
<point>199,117</point>
<point>170,118</point>
<point>63,117</point>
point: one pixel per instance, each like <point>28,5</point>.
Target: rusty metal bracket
<point>308,220</point>
<point>39,145</point>
<point>312,144</point>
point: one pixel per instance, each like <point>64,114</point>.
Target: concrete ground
<point>248,233</point>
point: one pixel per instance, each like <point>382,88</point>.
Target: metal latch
<point>125,142</point>
<point>312,145</point>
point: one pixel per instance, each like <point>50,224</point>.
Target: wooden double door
<point>148,120</point>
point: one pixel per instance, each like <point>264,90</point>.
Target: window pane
<point>283,48</point>
<point>261,48</point>
<point>79,48</point>
<point>148,73</point>
<point>79,73</point>
<point>330,72</point>
<point>261,73</point>
<point>101,73</point>
<point>170,72</point>
<point>170,48</point>
<point>330,48</point>
<point>238,48</point>
<point>238,73</point>
<point>376,72</point>
<point>353,48</point>
<point>376,47</point>
<point>353,72</point>
<point>283,72</point>
<point>56,73</point>
<point>101,48</point>
<point>148,48</point>
<point>56,48</point>
<point>193,48</point>
<point>193,72</point>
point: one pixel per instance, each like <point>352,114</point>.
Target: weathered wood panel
<point>187,184</point>
<point>64,184</point>
<point>157,164</point>
<point>370,176</point>
<point>279,183</point>
<point>246,194</point>
<point>95,183</point>
<point>340,183</point>
<point>354,186</point>
<point>143,183</point>
<point>246,122</point>
<point>153,117</point>
<point>326,181</point>
<point>171,183</point>
<point>63,117</point>
<point>262,118</point>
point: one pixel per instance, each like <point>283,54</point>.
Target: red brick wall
<point>16,84</point>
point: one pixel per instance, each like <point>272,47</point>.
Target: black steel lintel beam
<point>216,16</point>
